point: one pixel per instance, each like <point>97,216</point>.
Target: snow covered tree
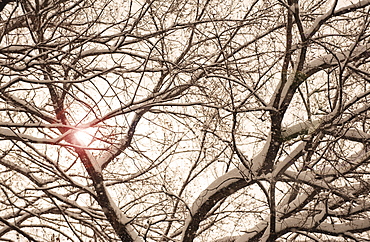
<point>184,120</point>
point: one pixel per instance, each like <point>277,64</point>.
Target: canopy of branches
<point>184,120</point>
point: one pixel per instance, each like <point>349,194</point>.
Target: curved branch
<point>3,3</point>
<point>221,188</point>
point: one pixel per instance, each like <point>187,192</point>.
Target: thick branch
<point>221,188</point>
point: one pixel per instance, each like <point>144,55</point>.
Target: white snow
<point>285,207</point>
<point>36,125</point>
<point>353,225</point>
<point>332,12</point>
<point>221,182</point>
<point>123,219</point>
<point>259,159</point>
<point>307,177</point>
<point>94,51</point>
<point>329,59</point>
<point>303,127</point>
<point>288,160</point>
<point>113,151</point>
<point>9,134</point>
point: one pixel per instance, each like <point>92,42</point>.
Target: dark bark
<point>3,3</point>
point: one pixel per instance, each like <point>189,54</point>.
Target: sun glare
<point>85,136</point>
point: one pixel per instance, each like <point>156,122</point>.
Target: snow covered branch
<point>12,135</point>
<point>115,150</point>
<point>330,60</point>
<point>222,187</point>
<point>302,128</point>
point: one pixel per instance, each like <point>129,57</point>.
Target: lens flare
<point>85,136</point>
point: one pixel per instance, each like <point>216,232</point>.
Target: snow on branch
<point>221,182</point>
<point>40,183</point>
<point>307,177</point>
<point>22,105</point>
<point>286,207</point>
<point>303,222</point>
<point>115,150</point>
<point>122,219</point>
<point>248,236</point>
<point>319,21</point>
<point>305,127</point>
<point>351,7</point>
<point>328,175</point>
<point>227,239</point>
<point>311,223</point>
<point>80,148</point>
<point>350,134</point>
<point>11,135</point>
<point>222,187</point>
<point>289,160</point>
<point>332,13</point>
<point>112,152</point>
<point>354,226</point>
<point>361,207</point>
<point>38,125</point>
<point>330,60</point>
<point>353,162</point>
<point>43,82</point>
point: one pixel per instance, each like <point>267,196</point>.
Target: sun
<point>85,136</point>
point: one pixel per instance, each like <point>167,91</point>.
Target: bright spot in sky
<point>85,136</point>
